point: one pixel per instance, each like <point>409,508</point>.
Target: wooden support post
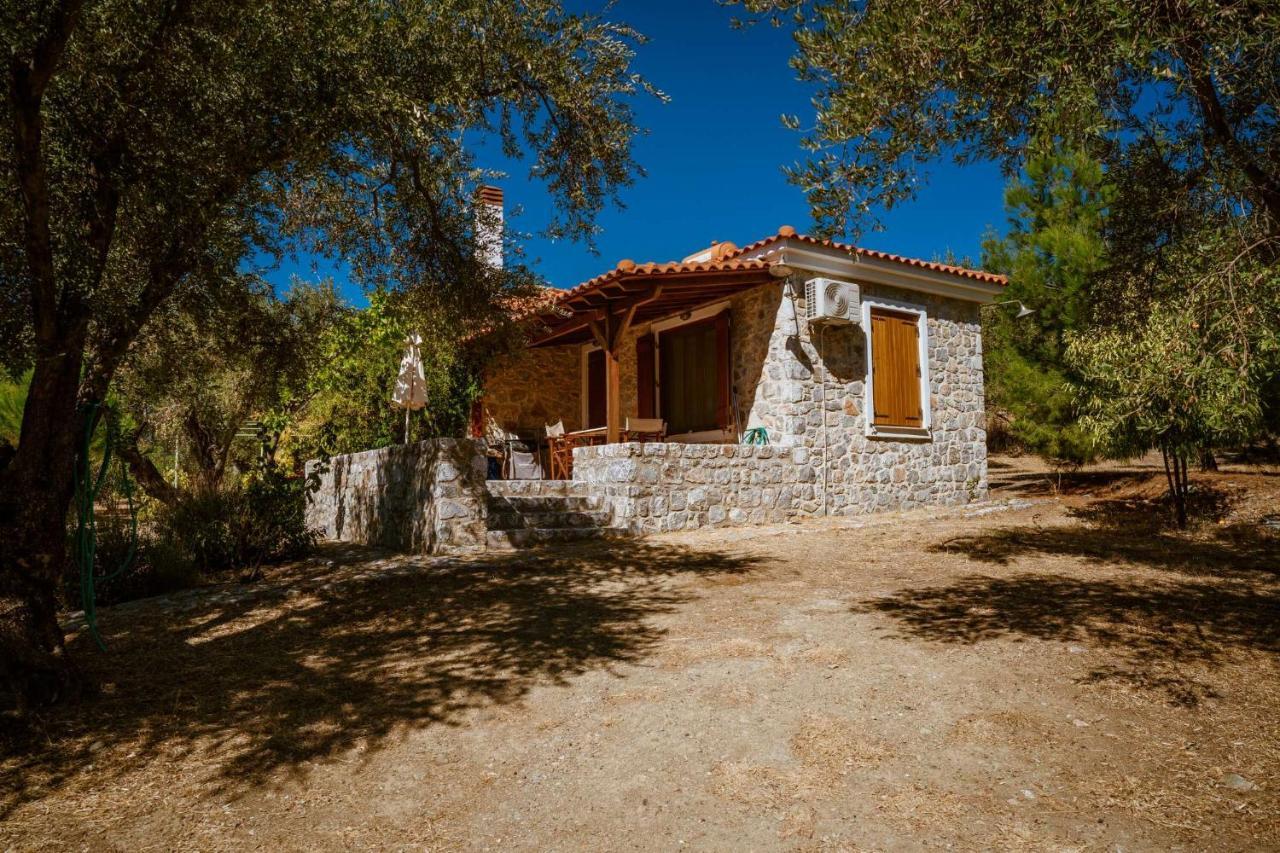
<point>613,397</point>
<point>608,327</point>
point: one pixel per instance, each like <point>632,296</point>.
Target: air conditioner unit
<point>830,301</point>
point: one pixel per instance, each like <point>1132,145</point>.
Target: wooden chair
<point>645,429</point>
<point>559,452</point>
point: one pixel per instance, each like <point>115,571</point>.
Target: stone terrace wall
<point>661,487</point>
<point>658,487</point>
<point>427,497</point>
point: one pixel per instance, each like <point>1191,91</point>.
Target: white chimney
<point>489,227</point>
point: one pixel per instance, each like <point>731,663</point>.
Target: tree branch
<point>29,77</point>
<point>1219,128</point>
<point>144,470</point>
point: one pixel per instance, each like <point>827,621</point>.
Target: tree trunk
<point>1175,471</point>
<point>36,491</point>
<point>1207,460</point>
<point>144,471</point>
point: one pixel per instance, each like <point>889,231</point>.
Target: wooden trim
<point>589,422</point>
<point>895,348</point>
<point>613,394</point>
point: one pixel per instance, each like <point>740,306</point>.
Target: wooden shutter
<point>645,384</point>
<point>895,360</point>
<point>724,418</point>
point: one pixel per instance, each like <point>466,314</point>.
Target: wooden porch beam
<point>608,328</point>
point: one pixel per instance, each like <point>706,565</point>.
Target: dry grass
<point>1072,675</point>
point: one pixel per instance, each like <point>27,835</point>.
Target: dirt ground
<point>1065,674</point>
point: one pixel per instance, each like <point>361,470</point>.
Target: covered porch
<point>614,358</point>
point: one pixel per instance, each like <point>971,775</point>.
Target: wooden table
<point>587,437</point>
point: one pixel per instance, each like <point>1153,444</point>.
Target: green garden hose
<point>88,487</point>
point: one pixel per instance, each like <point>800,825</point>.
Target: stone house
<point>863,370</point>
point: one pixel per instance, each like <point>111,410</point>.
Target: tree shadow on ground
<point>1221,595</point>
<point>1136,531</point>
<point>254,684</point>
<point>1012,481</point>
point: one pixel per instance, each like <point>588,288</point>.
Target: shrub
<point>157,564</point>
<point>208,533</point>
<point>241,526</point>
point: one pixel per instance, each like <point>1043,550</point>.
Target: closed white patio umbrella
<point>411,384</point>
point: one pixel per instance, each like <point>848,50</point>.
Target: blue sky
<point>714,155</point>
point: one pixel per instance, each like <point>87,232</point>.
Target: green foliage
<point>1194,366</point>
<point>336,126</point>
<point>1052,254</point>
<point>239,526</point>
<point>13,396</point>
<point>1191,358</point>
<point>159,565</point>
<point>213,361</point>
<point>1182,94</point>
<point>350,405</point>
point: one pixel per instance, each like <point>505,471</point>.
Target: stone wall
<point>652,488</point>
<point>810,392</point>
<point>655,487</point>
<point>427,497</point>
<point>526,391</point>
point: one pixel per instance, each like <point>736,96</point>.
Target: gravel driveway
<point>1063,674</point>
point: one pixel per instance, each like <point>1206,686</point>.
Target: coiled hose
<point>88,486</point>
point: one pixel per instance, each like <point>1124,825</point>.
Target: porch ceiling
<point>648,292</point>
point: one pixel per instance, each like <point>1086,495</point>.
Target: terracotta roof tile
<point>786,232</point>
<point>726,257</point>
<point>630,269</point>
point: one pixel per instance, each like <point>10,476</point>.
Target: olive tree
<point>1176,100</point>
<point>149,145</point>
<point>1183,91</point>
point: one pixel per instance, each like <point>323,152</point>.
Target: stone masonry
<point>805,386</point>
<point>427,497</point>
<point>652,488</point>
<point>811,393</point>
<point>528,390</point>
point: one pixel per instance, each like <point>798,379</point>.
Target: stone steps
<point>528,505</point>
<point>506,519</point>
<point>537,488</point>
<point>532,537</point>
<point>531,513</point>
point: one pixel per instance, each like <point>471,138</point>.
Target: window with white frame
<point>897,387</point>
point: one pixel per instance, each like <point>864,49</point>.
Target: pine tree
<point>1052,252</point>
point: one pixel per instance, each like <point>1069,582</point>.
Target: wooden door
<point>689,366</point>
<point>895,365</point>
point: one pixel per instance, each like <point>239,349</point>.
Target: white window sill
<point>900,432</point>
